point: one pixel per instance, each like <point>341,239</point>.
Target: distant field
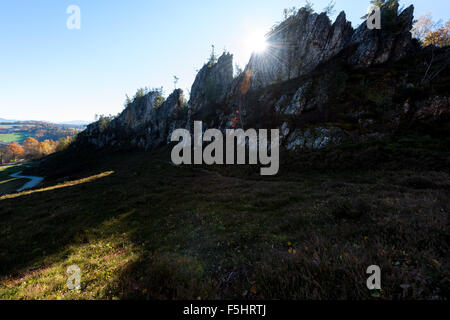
<point>14,137</point>
<point>20,131</point>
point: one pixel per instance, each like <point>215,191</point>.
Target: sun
<point>256,41</point>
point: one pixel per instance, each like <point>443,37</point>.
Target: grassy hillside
<point>141,228</point>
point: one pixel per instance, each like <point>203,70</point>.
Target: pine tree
<point>212,59</point>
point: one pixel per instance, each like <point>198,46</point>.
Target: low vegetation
<point>141,228</point>
<point>32,149</point>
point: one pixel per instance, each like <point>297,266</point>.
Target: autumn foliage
<point>32,149</point>
<point>440,37</point>
<point>15,150</point>
<point>431,33</point>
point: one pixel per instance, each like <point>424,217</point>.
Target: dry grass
<point>58,186</point>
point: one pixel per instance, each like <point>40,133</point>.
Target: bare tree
<point>212,58</point>
<point>289,12</point>
<point>329,9</point>
<point>423,26</point>
<point>309,6</point>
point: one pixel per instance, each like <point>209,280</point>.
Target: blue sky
<point>48,72</point>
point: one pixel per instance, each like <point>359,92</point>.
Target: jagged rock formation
<point>143,124</point>
<point>320,83</point>
<point>297,46</point>
<point>392,42</point>
<point>301,43</point>
<point>212,83</point>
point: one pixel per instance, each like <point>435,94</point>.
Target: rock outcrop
<point>298,45</point>
<point>212,83</point>
<point>319,82</point>
<point>145,123</point>
<point>391,42</point>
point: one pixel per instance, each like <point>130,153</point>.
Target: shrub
<point>103,122</point>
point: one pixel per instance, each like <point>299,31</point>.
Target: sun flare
<point>256,41</point>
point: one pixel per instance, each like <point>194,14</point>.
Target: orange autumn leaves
<point>35,149</point>
<point>440,37</point>
<point>429,32</point>
<point>14,150</point>
<point>32,149</point>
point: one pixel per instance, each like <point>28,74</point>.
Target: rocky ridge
<point>319,82</point>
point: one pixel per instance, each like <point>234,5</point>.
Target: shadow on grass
<point>43,221</point>
<point>153,231</point>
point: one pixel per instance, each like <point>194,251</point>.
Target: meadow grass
<point>140,228</point>
<point>14,137</point>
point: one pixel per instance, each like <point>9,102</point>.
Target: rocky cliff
<point>319,82</point>
<point>146,123</point>
<point>212,83</point>
<point>299,44</point>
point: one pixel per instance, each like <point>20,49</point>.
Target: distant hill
<point>6,120</point>
<point>75,123</point>
<point>78,123</point>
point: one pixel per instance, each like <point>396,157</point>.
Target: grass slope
<point>141,228</point>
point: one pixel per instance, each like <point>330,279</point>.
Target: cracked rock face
<point>379,46</point>
<point>301,43</point>
<point>212,83</point>
<point>142,124</point>
<point>298,104</point>
<point>316,138</point>
<point>297,46</point>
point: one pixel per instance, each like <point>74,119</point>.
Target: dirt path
<point>34,181</point>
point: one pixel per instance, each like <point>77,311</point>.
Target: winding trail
<point>34,181</point>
